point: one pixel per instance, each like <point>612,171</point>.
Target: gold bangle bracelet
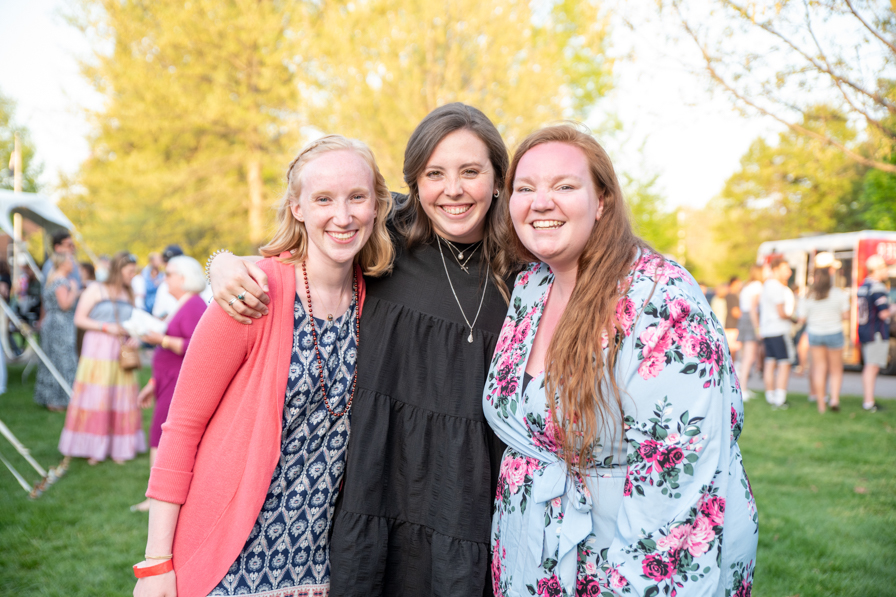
<point>149,557</point>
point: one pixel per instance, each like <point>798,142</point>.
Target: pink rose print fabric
<point>665,507</point>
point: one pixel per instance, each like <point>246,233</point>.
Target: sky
<point>673,127</point>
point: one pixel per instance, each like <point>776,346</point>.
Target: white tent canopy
<point>39,209</point>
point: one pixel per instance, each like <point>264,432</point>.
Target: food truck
<point>852,249</point>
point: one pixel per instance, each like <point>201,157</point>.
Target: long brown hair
<point>410,218</point>
<point>821,285</point>
<point>375,258</point>
<point>576,369</point>
<point>115,280</point>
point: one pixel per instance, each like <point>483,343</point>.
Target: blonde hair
<point>576,369</point>
<point>57,259</point>
<point>375,258</point>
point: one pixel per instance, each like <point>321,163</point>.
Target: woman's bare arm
<point>233,276</point>
<point>159,542</point>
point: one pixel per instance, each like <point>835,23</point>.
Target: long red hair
<point>577,371</point>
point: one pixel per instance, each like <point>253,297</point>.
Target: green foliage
<point>825,500</point>
<point>382,65</point>
<point>878,201</point>
<point>206,100</point>
<point>8,128</point>
<point>795,187</point>
<point>651,220</point>
<point>199,118</point>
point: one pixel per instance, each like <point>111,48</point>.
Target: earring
<point>497,193</point>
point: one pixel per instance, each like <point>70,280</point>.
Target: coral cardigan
<point>221,441</point>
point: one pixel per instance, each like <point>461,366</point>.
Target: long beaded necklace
<point>320,362</point>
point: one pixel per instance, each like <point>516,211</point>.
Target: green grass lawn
<point>825,488</point>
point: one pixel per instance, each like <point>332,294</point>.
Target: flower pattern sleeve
<point>680,382</point>
<point>664,510</point>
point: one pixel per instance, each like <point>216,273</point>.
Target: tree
<point>205,100</point>
<point>385,64</point>
<point>878,201</point>
<point>796,187</point>
<point>780,57</point>
<point>650,218</point>
<point>201,101</point>
<point>8,128</point>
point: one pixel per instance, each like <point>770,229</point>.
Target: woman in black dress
<point>422,464</point>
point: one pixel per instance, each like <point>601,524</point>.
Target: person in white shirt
<point>775,309</point>
<point>748,326</point>
<point>823,311</point>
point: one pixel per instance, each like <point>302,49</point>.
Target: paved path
<point>852,385</point>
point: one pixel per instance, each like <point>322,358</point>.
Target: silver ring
<point>241,296</point>
<point>233,300</point>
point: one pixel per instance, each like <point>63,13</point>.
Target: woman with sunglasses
<point>103,417</point>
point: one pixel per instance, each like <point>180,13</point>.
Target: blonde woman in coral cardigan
<point>252,455</point>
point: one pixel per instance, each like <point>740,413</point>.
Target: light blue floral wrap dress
<point>666,507</point>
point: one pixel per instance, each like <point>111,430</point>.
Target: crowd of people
<point>84,316</point>
<point>769,325</point>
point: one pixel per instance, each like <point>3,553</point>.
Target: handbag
<point>128,356</point>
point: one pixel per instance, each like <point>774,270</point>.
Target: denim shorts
<point>834,340</point>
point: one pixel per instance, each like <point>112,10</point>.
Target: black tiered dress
<point>422,464</point>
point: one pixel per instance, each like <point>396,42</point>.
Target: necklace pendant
<point>470,337</point>
<point>460,255</point>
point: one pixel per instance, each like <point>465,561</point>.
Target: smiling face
<point>554,204</point>
<point>457,187</point>
<point>337,204</point>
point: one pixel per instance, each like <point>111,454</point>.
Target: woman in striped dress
<point>103,417</point>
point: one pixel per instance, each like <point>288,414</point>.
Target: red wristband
<point>166,566</point>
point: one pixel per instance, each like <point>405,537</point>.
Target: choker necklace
<point>317,348</point>
<point>460,254</point>
<point>484,288</point>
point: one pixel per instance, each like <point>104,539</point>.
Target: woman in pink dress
<point>185,281</point>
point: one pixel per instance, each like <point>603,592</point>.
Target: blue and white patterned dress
<point>288,552</point>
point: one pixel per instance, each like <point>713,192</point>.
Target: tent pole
<point>21,449</point>
<point>29,336</point>
<point>16,474</point>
